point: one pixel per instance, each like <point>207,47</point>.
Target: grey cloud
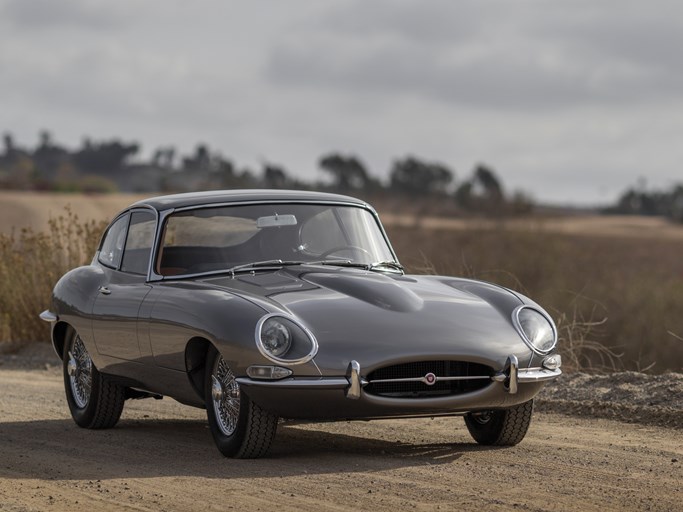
<point>514,81</point>
<point>643,35</point>
<point>50,14</point>
<point>515,58</point>
<point>439,21</point>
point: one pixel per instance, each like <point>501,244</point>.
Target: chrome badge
<point>429,379</point>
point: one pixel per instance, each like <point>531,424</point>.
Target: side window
<point>112,246</point>
<point>139,243</point>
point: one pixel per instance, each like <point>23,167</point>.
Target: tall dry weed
<point>579,340</point>
<point>31,262</point>
<point>635,286</point>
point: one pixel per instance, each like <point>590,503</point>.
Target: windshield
<point>220,238</point>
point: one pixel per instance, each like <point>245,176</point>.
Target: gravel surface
<point>626,396</point>
<point>161,456</point>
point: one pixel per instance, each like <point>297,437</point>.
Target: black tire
<point>101,405</point>
<point>504,427</point>
<point>251,435</point>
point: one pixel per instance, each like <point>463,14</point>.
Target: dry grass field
<point>613,283</point>
<point>34,209</point>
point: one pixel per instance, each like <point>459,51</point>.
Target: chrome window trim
<point>125,213</point>
<point>525,338</point>
<point>289,362</point>
<point>164,214</point>
<point>130,212</point>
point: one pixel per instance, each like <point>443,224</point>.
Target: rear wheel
<point>504,427</point>
<point>240,428</point>
<point>94,400</point>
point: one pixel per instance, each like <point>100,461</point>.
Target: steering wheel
<point>344,248</point>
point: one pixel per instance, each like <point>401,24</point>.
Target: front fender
<point>72,301</point>
<point>183,311</point>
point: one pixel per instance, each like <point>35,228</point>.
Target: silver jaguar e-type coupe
<point>267,304</point>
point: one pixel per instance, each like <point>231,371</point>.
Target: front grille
<point>417,389</point>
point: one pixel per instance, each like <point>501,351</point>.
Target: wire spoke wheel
<point>95,400</point>
<point>79,368</point>
<point>239,426</point>
<point>225,394</point>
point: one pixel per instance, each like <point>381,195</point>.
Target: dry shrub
<point>636,286</point>
<point>31,263</point>
<point>579,342</point>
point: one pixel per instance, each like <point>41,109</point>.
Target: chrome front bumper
<point>353,383</point>
<point>511,376</point>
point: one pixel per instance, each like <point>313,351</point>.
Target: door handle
<point>104,290</point>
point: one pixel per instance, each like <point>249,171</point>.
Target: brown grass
<point>31,262</point>
<point>617,300</point>
<point>34,209</point>
<point>614,285</point>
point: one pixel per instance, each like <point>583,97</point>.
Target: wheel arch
<point>196,351</point>
<point>59,334</point>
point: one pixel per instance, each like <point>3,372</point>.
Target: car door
<point>124,256</point>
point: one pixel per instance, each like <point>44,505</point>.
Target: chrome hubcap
<point>79,369</point>
<point>225,395</point>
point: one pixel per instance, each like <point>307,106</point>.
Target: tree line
<point>638,200</point>
<point>115,165</point>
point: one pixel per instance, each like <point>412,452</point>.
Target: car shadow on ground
<point>57,449</point>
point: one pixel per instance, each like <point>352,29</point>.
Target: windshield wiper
<point>261,264</point>
<point>391,265</point>
<point>340,263</point>
<point>380,265</point>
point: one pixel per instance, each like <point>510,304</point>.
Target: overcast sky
<point>570,101</point>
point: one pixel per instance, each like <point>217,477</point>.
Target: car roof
<point>234,196</point>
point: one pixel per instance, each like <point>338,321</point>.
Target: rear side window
<point>139,243</point>
<point>112,246</point>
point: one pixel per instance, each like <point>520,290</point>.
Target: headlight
<point>275,337</point>
<point>282,339</point>
<point>536,329</point>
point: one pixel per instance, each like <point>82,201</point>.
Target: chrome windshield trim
<point>365,206</point>
<point>163,215</point>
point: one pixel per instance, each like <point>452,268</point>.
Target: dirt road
<point>161,457</point>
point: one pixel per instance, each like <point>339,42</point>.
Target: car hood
<point>380,318</point>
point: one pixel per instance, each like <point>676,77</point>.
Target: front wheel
<point>504,427</point>
<point>240,428</point>
<point>94,400</point>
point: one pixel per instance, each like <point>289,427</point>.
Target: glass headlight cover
<point>282,339</point>
<point>275,337</point>
<point>536,328</point>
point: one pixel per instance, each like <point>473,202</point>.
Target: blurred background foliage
<point>617,299</point>
<point>116,166</point>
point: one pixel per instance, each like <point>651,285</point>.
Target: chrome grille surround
<point>413,380</point>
